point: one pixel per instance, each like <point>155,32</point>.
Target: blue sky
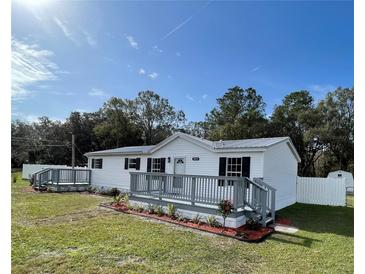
<point>70,55</point>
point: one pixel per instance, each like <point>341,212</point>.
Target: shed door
<point>179,165</point>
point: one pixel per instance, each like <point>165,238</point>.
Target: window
<point>156,165</point>
<point>97,163</point>
<point>234,167</point>
<point>132,163</point>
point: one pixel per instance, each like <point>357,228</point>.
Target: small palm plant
<point>225,208</point>
<point>171,211</point>
<point>117,199</point>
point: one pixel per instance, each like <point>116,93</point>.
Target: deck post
<point>263,206</point>
<point>273,205</point>
<point>235,195</point>
<point>160,187</point>
<point>148,184</point>
<point>193,186</point>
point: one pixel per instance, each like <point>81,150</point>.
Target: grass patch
<point>65,233</point>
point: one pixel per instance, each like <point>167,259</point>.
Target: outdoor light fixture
<point>168,159</point>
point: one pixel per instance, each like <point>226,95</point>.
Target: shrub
<point>197,219</point>
<point>181,218</point>
<point>113,191</point>
<point>171,210</point>
<point>125,198</point>
<point>253,222</point>
<point>159,211</point>
<point>118,199</point>
<point>15,177</point>
<point>212,221</point>
<point>150,208</point>
<point>225,208</point>
<point>140,208</point>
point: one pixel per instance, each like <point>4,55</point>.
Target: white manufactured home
<point>257,175</point>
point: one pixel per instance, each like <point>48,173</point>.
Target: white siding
<point>113,173</point>
<point>321,191</point>
<point>208,163</point>
<point>280,171</point>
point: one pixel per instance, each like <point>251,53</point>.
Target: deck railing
<point>206,190</point>
<point>52,176</point>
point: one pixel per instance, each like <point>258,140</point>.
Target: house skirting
<point>190,211</point>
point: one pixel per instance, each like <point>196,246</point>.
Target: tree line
<point>322,132</point>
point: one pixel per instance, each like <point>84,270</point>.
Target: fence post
<point>193,186</point>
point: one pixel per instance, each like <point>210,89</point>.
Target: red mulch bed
<point>242,233</point>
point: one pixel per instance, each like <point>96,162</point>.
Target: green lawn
<point>67,233</point>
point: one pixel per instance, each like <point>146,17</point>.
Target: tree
<point>198,129</point>
<point>155,117</point>
<point>239,114</point>
<point>337,110</point>
<point>117,126</point>
<point>297,118</point>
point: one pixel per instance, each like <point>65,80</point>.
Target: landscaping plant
<point>197,219</point>
<point>118,199</point>
<point>159,211</point>
<point>150,208</point>
<point>171,211</point>
<point>225,208</point>
<point>253,222</point>
<point>212,221</point>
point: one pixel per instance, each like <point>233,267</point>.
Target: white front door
<point>179,165</point>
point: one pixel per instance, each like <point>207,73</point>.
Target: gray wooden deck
<point>205,191</point>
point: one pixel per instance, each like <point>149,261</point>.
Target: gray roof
<point>123,150</point>
<point>249,143</point>
<point>260,143</point>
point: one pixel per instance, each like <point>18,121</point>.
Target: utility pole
<point>73,151</point>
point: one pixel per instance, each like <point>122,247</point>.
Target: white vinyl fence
<point>321,191</point>
<point>29,169</point>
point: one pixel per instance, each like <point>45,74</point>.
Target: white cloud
<point>67,93</point>
<point>255,68</point>
<point>97,92</point>
<point>153,75</point>
<point>189,97</point>
<point>66,31</point>
<point>30,65</point>
<point>141,71</point>
<point>178,54</point>
<point>321,89</point>
<point>132,42</point>
<point>90,40</point>
<point>204,96</point>
<point>157,49</point>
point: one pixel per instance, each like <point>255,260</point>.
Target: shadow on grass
<point>321,219</point>
<point>293,239</point>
